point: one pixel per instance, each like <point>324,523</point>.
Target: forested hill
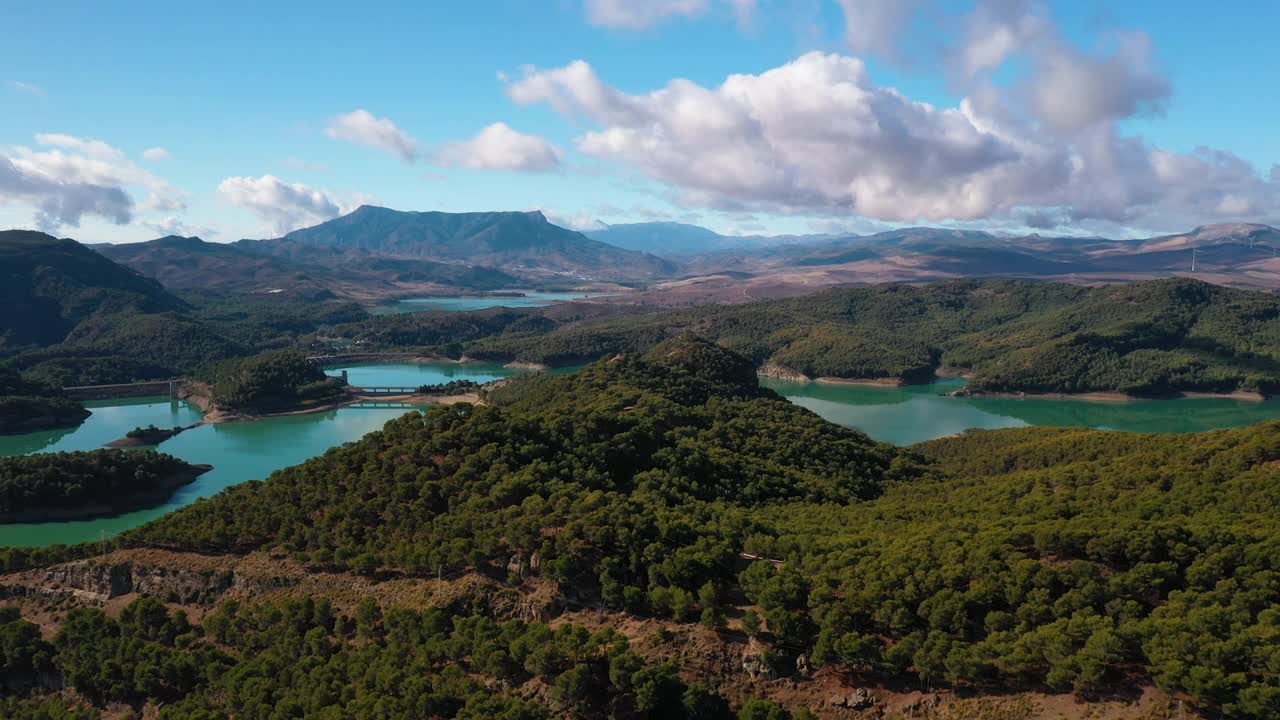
<point>48,286</point>
<point>249,266</point>
<point>673,439</point>
<point>1069,560</point>
<point>1146,338</point>
<point>35,488</point>
<point>75,317</point>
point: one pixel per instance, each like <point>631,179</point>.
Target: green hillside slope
<point>1072,559</point>
<point>1145,338</point>
<point>48,286</point>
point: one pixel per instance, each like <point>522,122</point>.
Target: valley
<point>924,498</point>
<point>639,360</point>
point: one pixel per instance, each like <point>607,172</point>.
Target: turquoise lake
<point>460,303</point>
<point>915,413</point>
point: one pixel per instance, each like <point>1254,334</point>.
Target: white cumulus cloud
<point>815,133</point>
<point>873,26</point>
<point>499,147</point>
<point>59,203</point>
<point>365,128</point>
<point>68,177</point>
<point>281,206</point>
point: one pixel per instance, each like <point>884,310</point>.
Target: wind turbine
<point>1193,258</point>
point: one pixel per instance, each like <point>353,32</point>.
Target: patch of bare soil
<point>724,659</point>
<point>729,662</point>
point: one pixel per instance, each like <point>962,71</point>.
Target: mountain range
<point>374,253</point>
<point>681,240</point>
<point>1234,254</point>
<point>520,242</point>
<point>189,263</point>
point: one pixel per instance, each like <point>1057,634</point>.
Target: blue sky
<point>1089,118</point>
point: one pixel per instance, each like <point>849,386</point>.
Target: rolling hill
<point>48,286</point>
<point>656,536</point>
<point>286,266</point>
<point>1146,339</point>
<point>184,263</point>
<point>1232,254</point>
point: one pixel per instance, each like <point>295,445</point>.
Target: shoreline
<point>778,372</point>
<point>151,439</point>
<point>119,506</point>
<point>1113,397</point>
<point>865,382</point>
<point>523,365</point>
<point>45,423</point>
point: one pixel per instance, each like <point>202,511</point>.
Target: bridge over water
<point>126,390</point>
<point>383,390</point>
<point>343,358</point>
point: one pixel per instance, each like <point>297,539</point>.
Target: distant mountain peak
<point>1227,230</point>
<point>521,241</point>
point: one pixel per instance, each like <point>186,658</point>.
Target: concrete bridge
<point>383,404</point>
<point>126,390</point>
<point>391,390</point>
<point>343,358</point>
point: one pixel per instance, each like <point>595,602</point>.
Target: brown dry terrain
<point>727,659</point>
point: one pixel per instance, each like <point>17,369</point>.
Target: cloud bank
<point>819,136</point>
<point>70,177</point>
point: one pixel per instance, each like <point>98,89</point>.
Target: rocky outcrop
<point>859,699</point>
<point>781,372</point>
<point>756,662</point>
<point>93,580</point>
<point>802,666</point>
<point>523,365</point>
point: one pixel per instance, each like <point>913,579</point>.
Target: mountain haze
<point>680,240</point>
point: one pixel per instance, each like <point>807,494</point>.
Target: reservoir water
<point>460,303</point>
<point>252,450</point>
<point>915,413</point>
<point>418,374</point>
<point>238,451</point>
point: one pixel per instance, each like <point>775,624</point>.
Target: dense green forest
<point>96,322</point>
<point>1146,338</point>
<point>48,286</point>
<point>27,405</point>
<point>271,381</point>
<point>129,347</point>
<point>304,659</point>
<point>76,318</point>
<point>67,481</point>
<point>1003,559</point>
